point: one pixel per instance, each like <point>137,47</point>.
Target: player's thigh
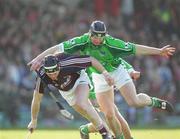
<point>128,91</point>
<point>106,100</point>
<point>82,92</point>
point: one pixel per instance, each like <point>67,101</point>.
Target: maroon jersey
<point>70,68</point>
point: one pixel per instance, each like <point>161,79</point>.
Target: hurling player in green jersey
<point>109,50</point>
<point>89,128</point>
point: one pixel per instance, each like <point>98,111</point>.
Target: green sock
<point>120,136</point>
<point>155,102</point>
<point>84,129</point>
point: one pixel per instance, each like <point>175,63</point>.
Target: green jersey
<point>109,53</point>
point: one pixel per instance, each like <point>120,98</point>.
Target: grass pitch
<point>74,134</point>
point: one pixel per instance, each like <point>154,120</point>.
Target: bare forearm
<point>34,110</point>
<point>96,64</point>
<point>50,50</point>
<point>102,70</point>
<point>146,50</point>
<point>35,106</point>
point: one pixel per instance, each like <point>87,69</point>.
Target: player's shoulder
<point>62,56</point>
<point>79,40</point>
<point>110,38</point>
<point>41,71</point>
<point>66,56</point>
<point>112,41</point>
<point>85,37</point>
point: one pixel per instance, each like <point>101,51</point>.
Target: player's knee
<point>81,105</point>
<point>133,103</point>
<point>109,114</point>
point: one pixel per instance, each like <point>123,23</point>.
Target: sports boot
<point>106,136</point>
<point>84,132</point>
<point>162,104</point>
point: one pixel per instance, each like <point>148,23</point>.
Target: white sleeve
<point>130,70</point>
<point>60,48</point>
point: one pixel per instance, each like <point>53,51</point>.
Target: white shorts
<point>120,76</point>
<point>69,96</point>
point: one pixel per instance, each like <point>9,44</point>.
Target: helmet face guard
<point>98,34</point>
<point>51,69</point>
<point>51,64</point>
<point>98,29</point>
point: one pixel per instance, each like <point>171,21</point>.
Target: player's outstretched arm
<point>35,106</point>
<point>165,51</point>
<point>37,61</point>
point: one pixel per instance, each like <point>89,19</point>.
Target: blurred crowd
<point>27,27</point>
